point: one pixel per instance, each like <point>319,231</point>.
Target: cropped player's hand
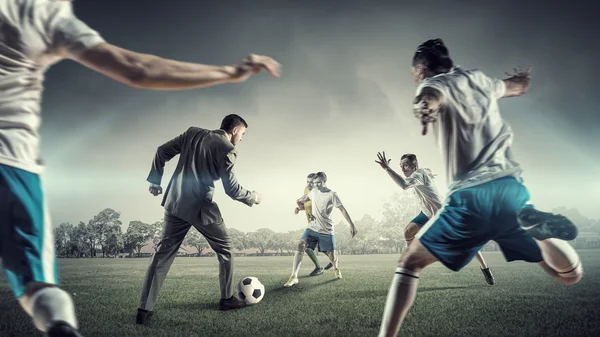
<point>518,72</point>
<point>155,189</point>
<point>254,64</point>
<point>383,162</point>
<point>353,231</point>
<point>297,210</point>
<point>258,197</point>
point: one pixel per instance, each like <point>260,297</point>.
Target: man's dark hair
<point>322,176</point>
<point>312,175</point>
<point>231,121</point>
<point>434,55</point>
<point>410,156</point>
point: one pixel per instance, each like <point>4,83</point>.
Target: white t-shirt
<point>474,139</point>
<point>425,191</point>
<point>34,34</point>
<point>323,204</point>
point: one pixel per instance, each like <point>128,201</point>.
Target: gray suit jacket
<point>205,157</point>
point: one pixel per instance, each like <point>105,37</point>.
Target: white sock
<point>297,263</point>
<point>401,297</point>
<point>52,304</point>
<point>561,257</point>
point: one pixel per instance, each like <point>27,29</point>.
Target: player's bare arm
<point>353,229</point>
<point>518,83</point>
<point>153,72</point>
<point>385,164</point>
<point>426,106</point>
<point>300,202</point>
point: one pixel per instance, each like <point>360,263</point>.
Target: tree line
<point>103,236</point>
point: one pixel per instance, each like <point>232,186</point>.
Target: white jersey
<point>323,204</point>
<point>425,191</point>
<point>474,139</point>
<point>34,34</point>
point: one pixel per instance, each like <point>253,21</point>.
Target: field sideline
<point>524,302</point>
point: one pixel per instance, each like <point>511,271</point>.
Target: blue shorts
<point>421,219</point>
<point>26,238</point>
<point>473,216</point>
<point>326,242</point>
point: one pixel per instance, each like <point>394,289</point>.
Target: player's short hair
<point>311,176</point>
<point>434,55</point>
<point>231,121</point>
<point>410,156</point>
<point>322,176</point>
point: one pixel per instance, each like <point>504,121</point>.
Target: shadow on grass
<point>451,288</point>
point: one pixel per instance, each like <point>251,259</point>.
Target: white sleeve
<point>433,83</point>
<point>495,86</point>
<point>336,200</point>
<point>65,33</point>
<point>416,178</point>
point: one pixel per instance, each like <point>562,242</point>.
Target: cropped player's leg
<point>410,231</point>
<point>403,290</point>
<point>25,227</point>
<point>561,261</point>
<point>172,237</point>
<point>217,237</point>
<point>487,273</point>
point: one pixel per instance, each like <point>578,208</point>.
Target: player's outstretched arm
<point>518,83</point>
<point>353,229</point>
<point>153,72</point>
<point>426,106</point>
<point>385,164</point>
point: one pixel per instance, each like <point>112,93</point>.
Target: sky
<point>345,94</point>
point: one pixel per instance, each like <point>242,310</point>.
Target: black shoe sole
<point>327,267</point>
<point>313,273</point>
<point>543,226</point>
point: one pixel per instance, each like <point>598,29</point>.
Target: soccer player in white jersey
<point>35,34</point>
<point>420,180</point>
<point>320,231</point>
<point>486,199</point>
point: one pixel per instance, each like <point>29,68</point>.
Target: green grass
<point>524,302</point>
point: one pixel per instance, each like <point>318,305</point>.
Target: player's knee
<point>302,245</point>
<point>411,261</point>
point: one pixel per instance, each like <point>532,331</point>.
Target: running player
<point>307,208</point>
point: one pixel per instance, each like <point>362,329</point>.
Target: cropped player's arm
<point>152,72</point>
<point>404,184</point>
<point>164,153</point>
<point>517,84</point>
<point>232,187</point>
<point>353,230</point>
<point>300,202</point>
<point>426,106</point>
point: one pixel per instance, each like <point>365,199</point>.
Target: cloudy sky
<point>345,94</point>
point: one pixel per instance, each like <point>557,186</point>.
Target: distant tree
<point>62,238</point>
<point>155,233</point>
<point>196,240</point>
<point>238,239</point>
<point>106,227</point>
<point>137,235</point>
<point>262,239</point>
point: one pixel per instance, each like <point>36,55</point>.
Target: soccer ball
<point>251,290</point>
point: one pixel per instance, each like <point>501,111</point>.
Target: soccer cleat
<point>543,226</point>
<point>293,280</point>
<point>316,272</point>
<point>231,303</point>
<point>62,329</point>
<point>143,316</point>
<point>327,267</point>
<point>338,274</point>
<point>489,278</point>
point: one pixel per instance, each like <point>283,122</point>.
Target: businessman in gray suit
<point>205,156</point>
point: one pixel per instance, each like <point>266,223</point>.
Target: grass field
<point>524,302</point>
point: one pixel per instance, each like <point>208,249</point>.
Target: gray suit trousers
<point>173,234</point>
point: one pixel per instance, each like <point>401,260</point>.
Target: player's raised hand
<point>382,161</point>
<point>353,231</point>
<point>254,64</point>
<point>258,197</point>
<point>518,72</point>
<point>155,189</point>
